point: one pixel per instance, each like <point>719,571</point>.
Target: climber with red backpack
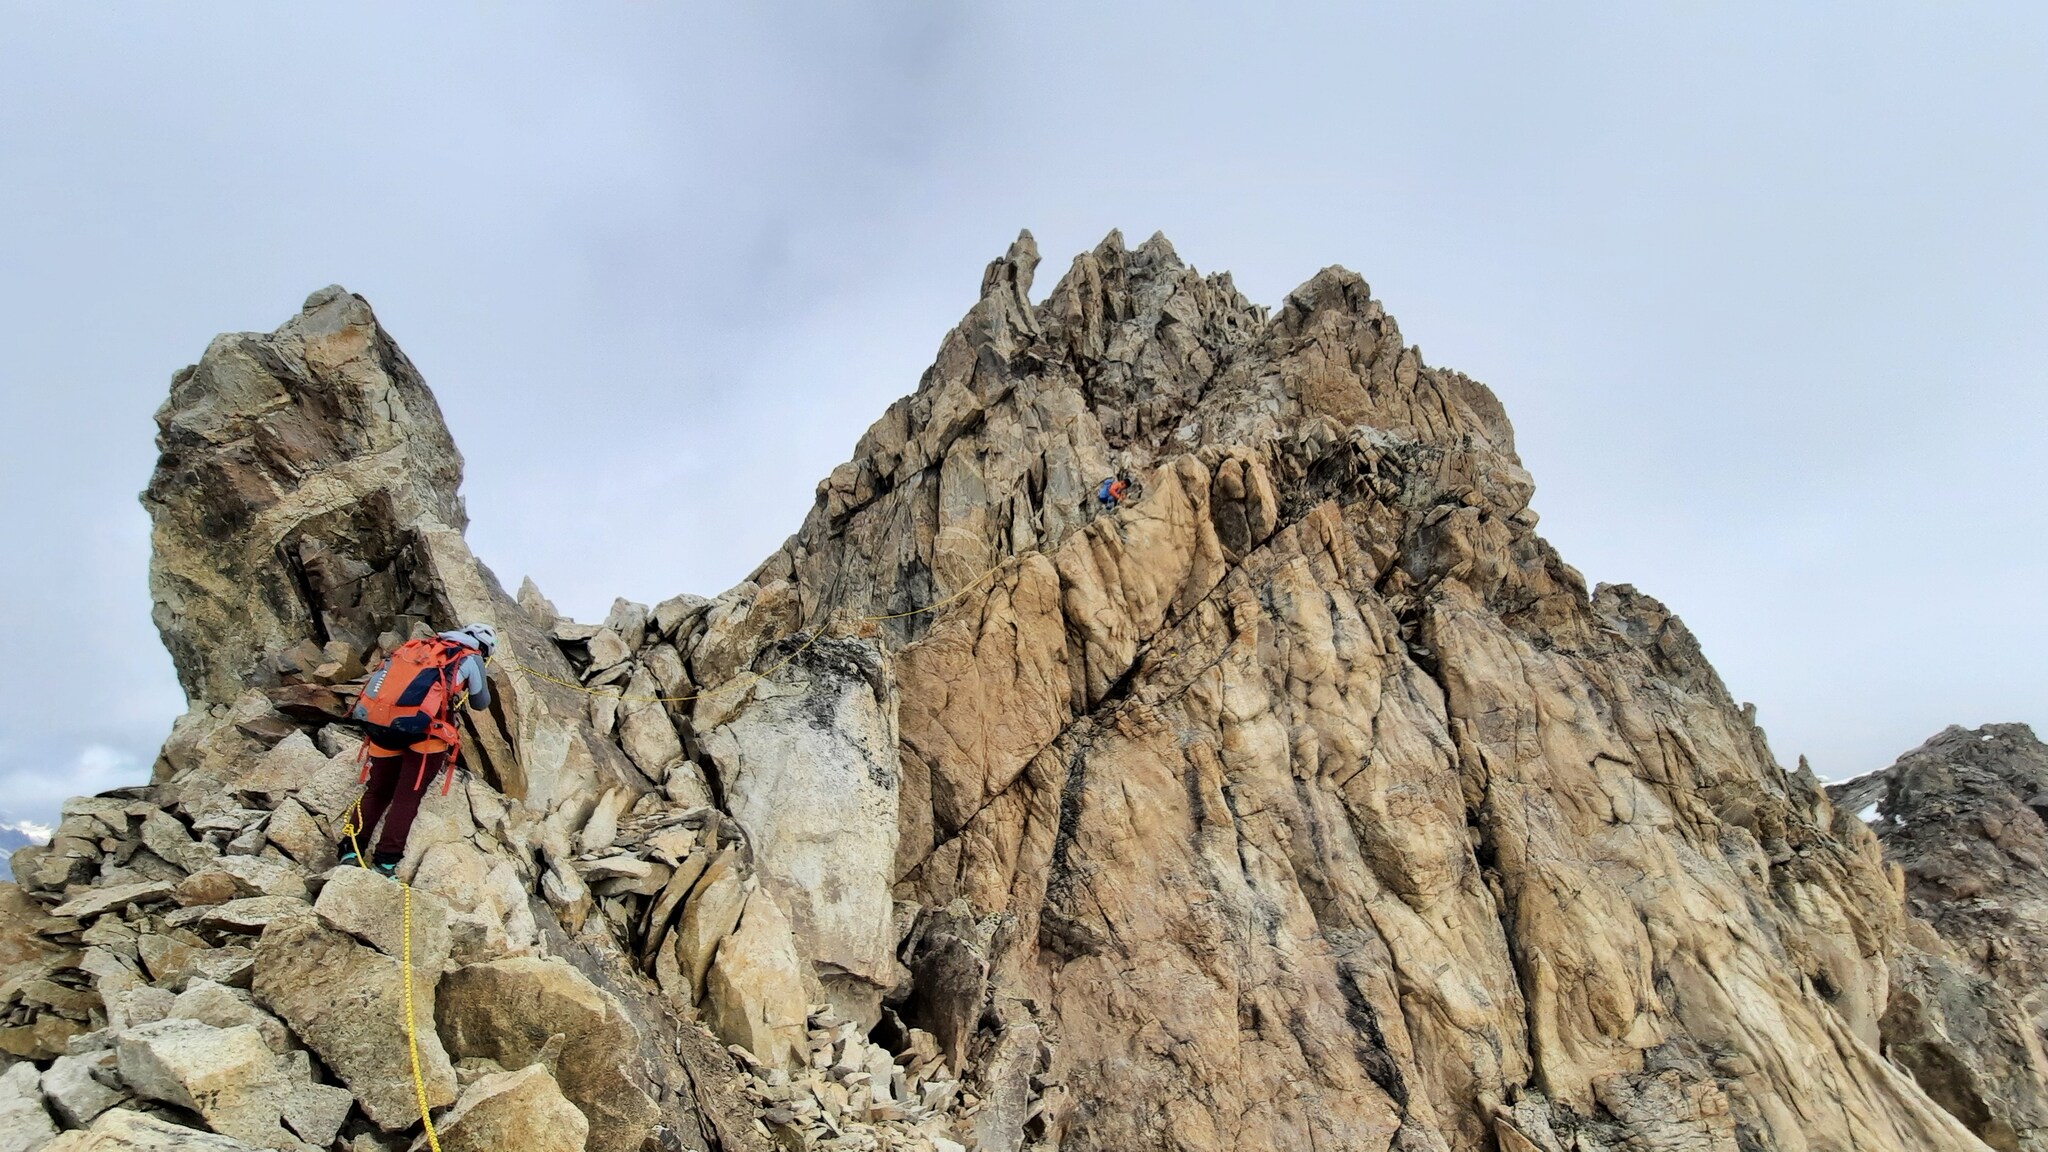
<point>407,710</point>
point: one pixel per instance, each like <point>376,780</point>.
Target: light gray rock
<point>809,765</point>
<point>603,827</point>
<point>248,915</point>
<point>710,912</point>
<point>227,1075</point>
<point>125,1130</point>
<point>165,836</point>
<point>315,1111</point>
<point>25,1126</point>
<point>141,1005</point>
<point>645,730</point>
<point>629,620</point>
<point>74,1094</point>
<point>672,615</point>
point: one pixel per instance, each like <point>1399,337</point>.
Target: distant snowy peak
<point>19,834</point>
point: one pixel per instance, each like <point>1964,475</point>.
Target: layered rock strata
<point>1305,799</point>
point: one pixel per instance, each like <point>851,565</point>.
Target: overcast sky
<point>1763,291</point>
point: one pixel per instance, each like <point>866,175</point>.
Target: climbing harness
<point>757,677</point>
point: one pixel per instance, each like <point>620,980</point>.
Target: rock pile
<point>1305,799</point>
<point>856,1095</point>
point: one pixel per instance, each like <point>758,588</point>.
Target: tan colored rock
<point>709,915</point>
<point>506,1010</point>
<point>523,1109</point>
<point>374,910</point>
<point>101,901</point>
<point>1306,799</point>
<point>347,1002</point>
<point>488,913</point>
<point>224,1007</point>
<point>754,992</point>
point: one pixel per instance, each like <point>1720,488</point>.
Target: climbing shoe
<point>386,868</point>
<point>349,857</point>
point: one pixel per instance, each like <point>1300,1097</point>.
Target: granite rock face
<point>1961,819</point>
<point>1304,798</point>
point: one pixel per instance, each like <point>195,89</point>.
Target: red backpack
<point>411,695</point>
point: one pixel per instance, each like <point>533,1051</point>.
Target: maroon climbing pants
<point>397,785</point>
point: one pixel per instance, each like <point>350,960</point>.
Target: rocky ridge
<point>1307,799</point>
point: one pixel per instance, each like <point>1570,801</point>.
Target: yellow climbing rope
<point>412,1035</point>
<point>756,677</point>
<point>350,827</point>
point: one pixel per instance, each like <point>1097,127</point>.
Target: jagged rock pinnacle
<point>1305,798</point>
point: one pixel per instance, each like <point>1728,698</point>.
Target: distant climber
<point>1111,494</point>
<point>407,711</point>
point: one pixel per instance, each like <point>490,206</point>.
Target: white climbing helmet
<point>486,636</point>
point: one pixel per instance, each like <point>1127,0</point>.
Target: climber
<point>1112,492</point>
<point>407,710</point>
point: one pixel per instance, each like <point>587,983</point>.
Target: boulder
<point>251,876</point>
<point>224,1007</point>
<point>809,766</point>
<point>233,965</point>
<point>249,914</point>
<point>506,1010</point>
<point>754,993</point>
<point>124,1130</point>
<point>74,1093</point>
<point>603,826</point>
<point>488,913</point>
<point>227,1075</point>
<point>373,909</point>
<point>523,1109</point>
<point>25,1125</point>
<point>295,833</point>
<point>709,914</point>
<point>347,1002</point>
<point>101,901</point>
<point>315,1111</point>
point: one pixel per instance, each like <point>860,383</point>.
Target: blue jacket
<point>472,670</point>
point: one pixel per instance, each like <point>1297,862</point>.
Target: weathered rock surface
<point>122,1130</point>
<point>227,1075</point>
<point>1305,799</point>
<point>1962,819</point>
<point>347,1002</point>
<point>507,1011</point>
<point>522,1109</point>
<point>25,1125</point>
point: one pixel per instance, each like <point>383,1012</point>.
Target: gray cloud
<point>1761,289</point>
